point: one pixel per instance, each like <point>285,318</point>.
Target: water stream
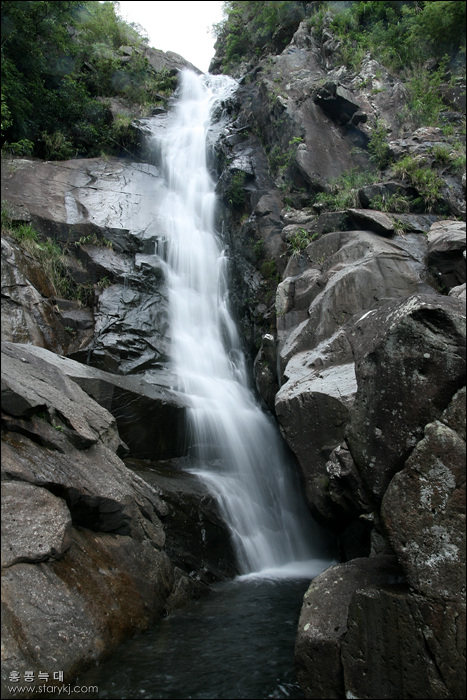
<point>252,478</point>
<point>238,642</point>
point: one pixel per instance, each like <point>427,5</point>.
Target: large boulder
<point>400,645</point>
<point>69,614</point>
<point>358,271</point>
<point>323,622</point>
<point>149,414</point>
<point>77,525</point>
<point>423,509</point>
<point>410,361</point>
<point>337,101</point>
<point>344,275</point>
<point>75,199</point>
<point>103,213</point>
<point>446,252</point>
<point>313,414</point>
<point>51,419</point>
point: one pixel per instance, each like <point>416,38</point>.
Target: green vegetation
<point>396,203</point>
<point>343,190</point>
<point>282,160</point>
<point>300,241</point>
<point>258,249</point>
<point>452,157</point>
<point>52,259</point>
<point>269,272</point>
<point>417,171</point>
<point>251,28</point>
<point>422,42</point>
<point>401,35</point>
<point>236,192</point>
<point>61,61</point>
<point>378,146</point>
<point>45,252</point>
<point>93,239</point>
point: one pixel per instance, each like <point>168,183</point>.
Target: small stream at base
<point>238,642</point>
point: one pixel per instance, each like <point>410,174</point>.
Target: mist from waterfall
<point>235,446</point>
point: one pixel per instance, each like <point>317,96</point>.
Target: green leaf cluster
<point>46,252</point>
<point>236,193</point>
<point>250,28</point>
<point>53,258</point>
<point>402,34</point>
<point>278,158</point>
<point>343,191</point>
<point>299,241</point>
<point>59,63</point>
<point>417,171</point>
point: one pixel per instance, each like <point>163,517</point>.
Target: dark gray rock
<point>149,415</point>
<point>313,415</point>
<point>197,539</point>
<point>131,330</point>
<point>338,102</point>
<point>167,60</point>
<point>30,385</point>
<point>265,371</point>
<point>400,645</point>
<point>371,220</point>
<point>346,488</point>
<point>104,211</point>
<point>359,271</point>
<point>71,200</point>
<point>446,252</point>
<point>59,438</point>
<point>333,221</point>
<point>323,623</point>
<point>83,539</point>
<point>410,361</point>
<point>36,526</point>
<point>423,509</point>
<point>74,612</point>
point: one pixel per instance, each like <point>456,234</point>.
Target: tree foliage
<point>59,59</point>
<point>252,27</point>
<point>401,34</point>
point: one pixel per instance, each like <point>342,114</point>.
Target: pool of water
<point>238,642</point>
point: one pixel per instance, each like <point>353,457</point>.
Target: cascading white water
<point>234,443</point>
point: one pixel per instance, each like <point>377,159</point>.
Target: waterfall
<point>235,446</point>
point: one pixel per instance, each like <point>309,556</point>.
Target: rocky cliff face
<point>360,325</point>
<point>355,320</point>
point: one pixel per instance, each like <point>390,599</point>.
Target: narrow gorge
<point>233,441</point>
